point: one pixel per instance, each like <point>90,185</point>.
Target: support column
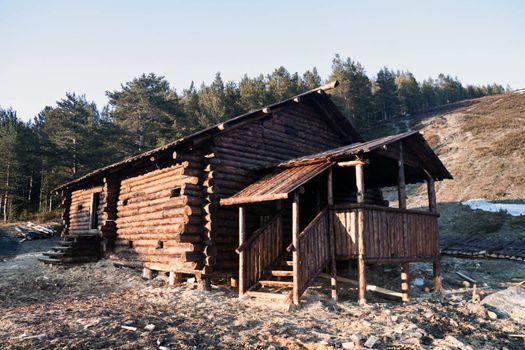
<point>174,278</point>
<point>401,191</point>
<point>242,238</point>
<point>331,236</point>
<point>405,282</point>
<point>295,242</point>
<point>432,204</point>
<point>436,267</point>
<point>360,184</point>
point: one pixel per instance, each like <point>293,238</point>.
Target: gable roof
<point>413,143</point>
<point>286,177</point>
<point>317,98</point>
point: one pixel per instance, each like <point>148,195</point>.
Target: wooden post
<point>360,184</point>
<point>295,242</point>
<point>405,282</point>
<point>147,273</point>
<point>401,190</point>
<point>331,236</point>
<point>175,278</point>
<point>436,267</point>
<point>242,238</point>
<point>432,204</point>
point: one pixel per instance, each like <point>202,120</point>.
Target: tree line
<point>74,136</point>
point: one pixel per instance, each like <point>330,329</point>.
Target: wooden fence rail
<point>261,250</point>
<point>313,250</point>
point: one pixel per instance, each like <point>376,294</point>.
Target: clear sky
<point>51,47</point>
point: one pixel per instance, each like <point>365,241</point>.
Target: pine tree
<point>354,95</point>
<point>147,109</point>
<point>386,100</point>
<point>409,93</point>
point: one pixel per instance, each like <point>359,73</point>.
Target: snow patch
<point>485,205</point>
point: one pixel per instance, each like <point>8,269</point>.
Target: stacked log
<point>79,220</point>
<point>236,156</point>
<point>159,221</point>
<point>66,204</point>
<point>108,226</point>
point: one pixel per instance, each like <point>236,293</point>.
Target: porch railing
<point>313,251</point>
<point>261,250</point>
<point>390,234</point>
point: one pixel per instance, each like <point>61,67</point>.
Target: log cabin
<point>273,197</point>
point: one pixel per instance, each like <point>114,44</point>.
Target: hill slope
<point>482,143</point>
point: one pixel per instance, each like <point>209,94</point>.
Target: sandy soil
<point>86,306</point>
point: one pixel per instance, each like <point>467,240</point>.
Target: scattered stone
<point>191,280</point>
<point>149,327</point>
<point>419,282</point>
<point>348,345</point>
<point>371,341</point>
<point>507,303</point>
<point>492,315</point>
<point>129,328</point>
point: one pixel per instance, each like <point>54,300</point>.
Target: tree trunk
<point>6,193</point>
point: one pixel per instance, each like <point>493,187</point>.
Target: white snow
<point>485,205</point>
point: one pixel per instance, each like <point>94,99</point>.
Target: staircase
<point>269,273</point>
<point>74,249</point>
<point>276,285</point>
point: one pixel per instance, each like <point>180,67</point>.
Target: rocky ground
<point>100,306</point>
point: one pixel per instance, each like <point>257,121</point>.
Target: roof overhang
<point>317,98</point>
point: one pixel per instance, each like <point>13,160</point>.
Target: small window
<point>125,202</point>
<point>80,206</point>
<point>290,130</point>
<point>93,211</point>
<point>160,244</point>
<point>175,192</point>
<point>130,244</point>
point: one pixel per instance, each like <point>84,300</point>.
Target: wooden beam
<point>331,235</point>
<point>253,199</point>
<point>352,163</point>
<point>368,287</point>
<point>401,188</point>
<point>432,203</point>
<point>405,282</point>
<point>360,184</point>
<point>295,243</point>
<point>242,238</point>
<point>436,267</point>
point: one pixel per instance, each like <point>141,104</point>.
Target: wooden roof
<point>417,152</point>
<point>277,185</point>
<point>290,175</point>
<point>316,97</point>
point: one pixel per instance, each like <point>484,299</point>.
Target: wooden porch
<point>279,257</point>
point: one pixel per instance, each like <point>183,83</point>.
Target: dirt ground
<point>89,306</point>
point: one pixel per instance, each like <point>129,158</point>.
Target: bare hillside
<point>482,143</point>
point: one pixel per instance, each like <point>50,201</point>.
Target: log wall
<point>79,210</point>
<point>291,132</point>
<point>156,227</point>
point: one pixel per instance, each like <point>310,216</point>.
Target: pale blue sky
<point>51,47</point>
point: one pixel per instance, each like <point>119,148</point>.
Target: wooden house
<point>274,196</point>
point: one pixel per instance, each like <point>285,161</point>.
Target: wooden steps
<point>281,273</point>
<point>74,249</point>
<point>278,284</point>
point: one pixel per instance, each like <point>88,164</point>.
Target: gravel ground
<point>101,306</point>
